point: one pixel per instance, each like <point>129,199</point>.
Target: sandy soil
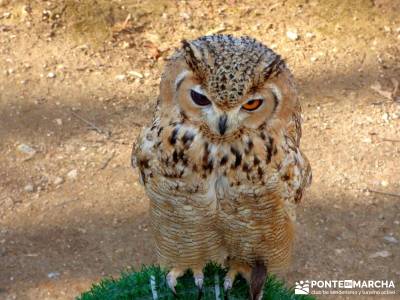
<point>71,209</point>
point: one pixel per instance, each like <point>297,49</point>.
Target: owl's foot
<point>228,283</point>
<point>172,278</point>
<point>198,278</point>
<point>234,269</point>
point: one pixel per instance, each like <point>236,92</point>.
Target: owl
<point>221,161</point>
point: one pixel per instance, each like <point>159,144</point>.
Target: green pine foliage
<point>150,284</point>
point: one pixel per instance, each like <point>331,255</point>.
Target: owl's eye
<point>252,104</point>
<point>199,99</point>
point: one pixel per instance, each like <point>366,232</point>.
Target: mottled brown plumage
<point>221,162</point>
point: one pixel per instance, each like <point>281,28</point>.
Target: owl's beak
<point>222,122</point>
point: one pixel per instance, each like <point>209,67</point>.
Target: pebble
<point>384,183</point>
<point>383,253</point>
<point>73,174</point>
<point>125,45</point>
<point>51,75</point>
<point>385,117</point>
<point>135,74</point>
<point>24,148</point>
<point>59,122</point>
<point>367,140</point>
<point>391,239</point>
<point>29,188</point>
<point>292,35</point>
<point>120,77</point>
<point>185,15</point>
<point>58,180</point>
<point>310,35</point>
<point>339,251</point>
<point>53,275</point>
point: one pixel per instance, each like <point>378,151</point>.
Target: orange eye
<point>252,104</point>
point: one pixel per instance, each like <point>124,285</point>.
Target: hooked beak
<point>222,122</point>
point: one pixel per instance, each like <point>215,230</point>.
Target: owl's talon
<point>171,281</point>
<point>199,280</point>
<point>228,283</point>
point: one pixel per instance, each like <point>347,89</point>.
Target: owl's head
<point>221,84</point>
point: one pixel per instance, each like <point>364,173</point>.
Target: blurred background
<point>78,80</point>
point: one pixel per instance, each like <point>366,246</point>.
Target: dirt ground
<point>78,79</point>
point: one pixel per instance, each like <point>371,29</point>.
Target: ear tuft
<point>274,67</point>
<point>193,56</point>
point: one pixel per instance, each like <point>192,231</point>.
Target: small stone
<point>26,149</point>
<point>185,15</point>
<point>383,253</point>
<point>135,74</point>
<point>25,10</point>
<point>292,35</point>
<point>125,45</point>
<point>53,275</point>
<point>51,75</point>
<point>387,29</point>
<point>73,174</point>
<point>29,188</point>
<point>58,180</point>
<point>384,183</point>
<point>120,77</point>
<point>339,251</point>
<point>385,117</point>
<point>367,140</point>
<point>310,35</point>
<point>59,122</point>
<point>391,239</point>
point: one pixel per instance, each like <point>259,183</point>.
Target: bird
<point>221,161</point>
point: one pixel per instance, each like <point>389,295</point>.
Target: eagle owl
<point>221,161</point>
